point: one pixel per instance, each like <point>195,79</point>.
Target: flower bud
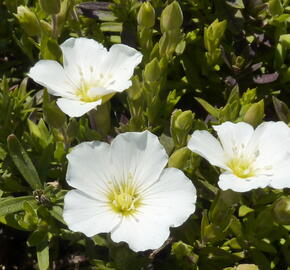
<point>171,17</point>
<point>255,114</point>
<point>179,158</point>
<point>184,120</point>
<point>28,21</point>
<point>181,124</point>
<point>152,71</point>
<point>281,211</point>
<point>146,15</point>
<point>50,6</point>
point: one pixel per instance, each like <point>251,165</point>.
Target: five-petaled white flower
<point>123,188</point>
<point>249,158</point>
<point>90,74</point>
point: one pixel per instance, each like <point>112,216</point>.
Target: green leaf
<point>209,108</point>
<point>42,251</point>
<point>282,110</point>
<point>275,7</point>
<point>36,238</point>
<point>23,162</point>
<point>11,205</point>
<point>53,115</point>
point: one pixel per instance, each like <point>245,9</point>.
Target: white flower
<point>90,74</point>
<point>248,158</point>
<point>124,189</point>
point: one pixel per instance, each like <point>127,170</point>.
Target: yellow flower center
<point>87,86</point>
<point>124,198</point>
<point>242,167</point>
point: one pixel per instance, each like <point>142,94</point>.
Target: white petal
<point>87,215</point>
<point>231,181</point>
<point>172,198</point>
<point>89,168</point>
<point>51,75</point>
<point>234,135</point>
<point>140,234</point>
<point>281,176</point>
<point>82,54</point>
<point>272,140</point>
<point>207,146</point>
<point>76,108</point>
<point>167,203</point>
<point>119,86</point>
<point>138,155</point>
<point>121,62</point>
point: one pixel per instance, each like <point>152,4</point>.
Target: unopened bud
<point>28,21</point>
<point>255,114</point>
<point>179,158</point>
<point>171,17</point>
<point>152,71</point>
<point>146,15</point>
<point>281,211</point>
<point>184,121</point>
<point>50,6</point>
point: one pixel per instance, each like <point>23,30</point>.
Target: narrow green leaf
<point>12,205</point>
<point>209,108</point>
<point>42,251</point>
<point>23,162</point>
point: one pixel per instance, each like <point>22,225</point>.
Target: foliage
<point>204,62</point>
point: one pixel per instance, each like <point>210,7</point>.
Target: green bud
<point>281,211</point>
<point>28,21</point>
<point>213,35</point>
<point>152,71</point>
<point>255,114</point>
<point>180,250</point>
<point>171,17</point>
<point>146,15</point>
<point>181,124</point>
<point>179,158</point>
<point>184,120</point>
<point>50,6</point>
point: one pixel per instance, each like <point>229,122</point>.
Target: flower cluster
<point>123,188</point>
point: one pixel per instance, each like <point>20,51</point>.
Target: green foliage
<point>204,62</point>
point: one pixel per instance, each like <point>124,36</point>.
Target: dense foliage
<point>204,62</point>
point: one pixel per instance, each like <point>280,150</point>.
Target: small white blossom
<point>90,74</point>
<point>249,158</point>
<point>124,189</point>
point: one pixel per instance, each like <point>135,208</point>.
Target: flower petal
<point>76,108</point>
<point>87,215</point>
<point>89,168</point>
<point>82,55</point>
<point>272,140</point>
<point>138,155</point>
<point>174,193</point>
<point>207,146</point>
<point>51,75</point>
<point>167,203</point>
<point>281,178</point>
<point>234,136</point>
<point>140,234</point>
<point>231,181</point>
<point>121,62</point>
